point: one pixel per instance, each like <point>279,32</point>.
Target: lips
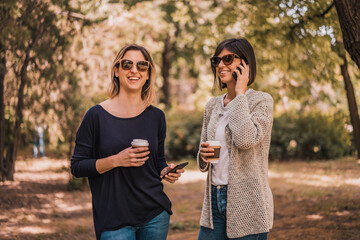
<point>223,72</point>
<point>133,78</point>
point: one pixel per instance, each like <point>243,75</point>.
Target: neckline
<point>116,117</point>
<point>222,102</point>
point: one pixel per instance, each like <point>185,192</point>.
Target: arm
<point>83,163</point>
<point>160,161</point>
<point>249,128</point>
<point>161,164</point>
<point>128,157</point>
<point>203,166</point>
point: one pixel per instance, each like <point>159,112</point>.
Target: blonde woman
<point>238,202</point>
<point>127,193</point>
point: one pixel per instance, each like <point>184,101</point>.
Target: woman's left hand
<point>242,78</point>
<point>171,177</point>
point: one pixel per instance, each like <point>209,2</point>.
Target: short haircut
<point>242,48</point>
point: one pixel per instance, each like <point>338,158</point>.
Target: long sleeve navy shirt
<point>123,196</point>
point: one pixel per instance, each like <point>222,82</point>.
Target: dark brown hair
<point>147,92</point>
<point>242,48</point>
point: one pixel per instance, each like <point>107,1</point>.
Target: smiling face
<point>132,80</point>
<point>225,71</point>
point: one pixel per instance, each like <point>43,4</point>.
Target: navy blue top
<point>123,196</point>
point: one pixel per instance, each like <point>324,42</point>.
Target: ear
<point>116,72</point>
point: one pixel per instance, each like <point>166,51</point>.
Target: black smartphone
<point>179,166</point>
<point>234,73</point>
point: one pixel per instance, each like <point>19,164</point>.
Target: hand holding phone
<point>234,74</point>
<point>179,166</point>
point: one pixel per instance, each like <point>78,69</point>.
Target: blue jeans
<point>218,207</point>
<point>155,229</point>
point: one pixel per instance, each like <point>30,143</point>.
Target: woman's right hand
<point>205,151</point>
<point>132,157</point>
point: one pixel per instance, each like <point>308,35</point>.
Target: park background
<point>55,62</point>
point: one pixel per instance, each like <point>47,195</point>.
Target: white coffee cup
<point>139,143</point>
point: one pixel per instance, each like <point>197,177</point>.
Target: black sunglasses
<point>141,66</point>
<point>227,59</point>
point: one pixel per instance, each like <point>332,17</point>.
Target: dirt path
<point>319,200</point>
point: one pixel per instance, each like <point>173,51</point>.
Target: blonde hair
<point>147,92</point>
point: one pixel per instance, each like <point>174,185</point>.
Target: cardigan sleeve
<point>203,166</point>
<point>83,161</point>
<point>249,126</point>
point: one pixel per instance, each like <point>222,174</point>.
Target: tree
<point>35,35</point>
<point>298,39</point>
<point>349,17</point>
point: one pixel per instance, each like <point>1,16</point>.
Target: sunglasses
<point>141,66</point>
<point>227,59</point>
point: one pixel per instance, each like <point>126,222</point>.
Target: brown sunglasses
<point>126,64</point>
<point>227,59</point>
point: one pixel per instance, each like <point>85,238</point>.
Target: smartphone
<point>234,73</point>
<point>179,166</point>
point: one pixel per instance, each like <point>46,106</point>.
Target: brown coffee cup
<point>216,146</point>
<point>137,143</point>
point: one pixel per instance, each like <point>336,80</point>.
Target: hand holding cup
<point>210,151</point>
<point>136,155</point>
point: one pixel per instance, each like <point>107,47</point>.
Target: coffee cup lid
<point>140,142</point>
<point>214,143</point>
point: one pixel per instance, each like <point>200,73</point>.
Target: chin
<point>227,80</point>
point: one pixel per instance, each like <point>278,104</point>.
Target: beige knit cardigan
<point>250,207</point>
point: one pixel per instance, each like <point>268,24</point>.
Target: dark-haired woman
<point>127,193</point>
<point>238,203</point>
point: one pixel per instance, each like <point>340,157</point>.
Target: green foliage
<point>310,135</point>
<point>304,135</point>
<point>183,134</point>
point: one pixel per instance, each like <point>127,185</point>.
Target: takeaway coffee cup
<point>216,146</point>
<point>136,143</point>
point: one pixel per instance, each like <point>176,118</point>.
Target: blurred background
<point>56,57</point>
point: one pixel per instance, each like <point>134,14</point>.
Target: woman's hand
<point>171,177</point>
<point>205,151</point>
<point>242,78</point>
<point>132,157</point>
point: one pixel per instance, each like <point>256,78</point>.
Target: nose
<point>133,68</point>
<point>221,64</point>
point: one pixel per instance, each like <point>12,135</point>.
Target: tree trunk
<point>349,17</point>
<point>10,158</point>
<point>71,144</point>
<point>165,72</point>
<point>2,114</point>
<point>354,114</point>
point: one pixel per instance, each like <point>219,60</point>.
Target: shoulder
<point>259,96</point>
<point>94,111</point>
<point>93,114</point>
<point>212,102</point>
<point>157,112</point>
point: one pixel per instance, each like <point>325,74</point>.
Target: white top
<point>220,170</point>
